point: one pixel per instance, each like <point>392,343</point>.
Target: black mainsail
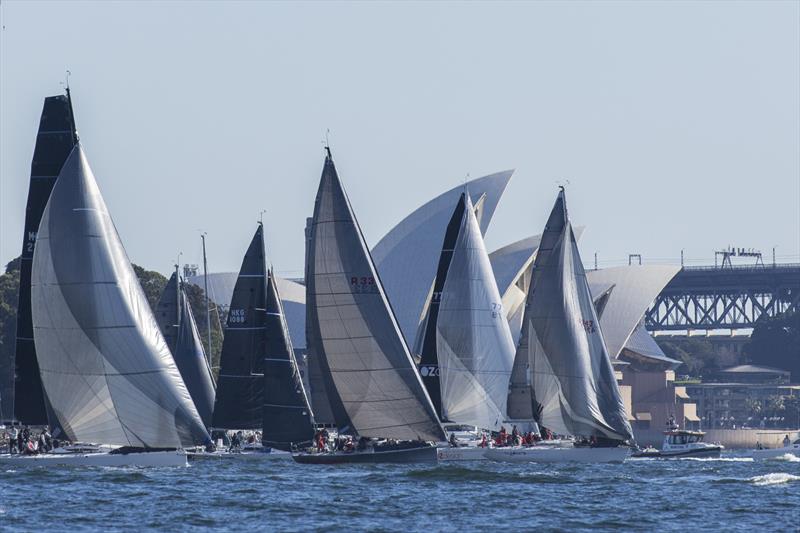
<point>240,386</point>
<point>287,416</point>
<point>369,371</point>
<point>54,142</point>
<point>562,375</point>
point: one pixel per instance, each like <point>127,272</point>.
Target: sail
<point>429,358</point>
<point>360,346</point>
<point>167,312</point>
<point>473,339</point>
<point>193,364</point>
<point>240,386</point>
<point>104,364</point>
<point>562,372</point>
<point>287,417</point>
<point>54,142</point>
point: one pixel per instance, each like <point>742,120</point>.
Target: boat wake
<point>717,459</point>
<point>776,478</point>
<point>460,474</point>
<point>787,458</point>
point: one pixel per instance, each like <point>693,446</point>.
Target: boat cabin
<point>681,436</point>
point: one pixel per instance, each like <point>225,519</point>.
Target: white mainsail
<point>361,350</point>
<point>473,339</point>
<point>104,363</point>
<point>562,373</point>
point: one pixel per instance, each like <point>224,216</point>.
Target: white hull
<point>557,454</point>
<point>169,458</point>
<point>774,453</point>
<point>245,455</point>
<point>466,453</point>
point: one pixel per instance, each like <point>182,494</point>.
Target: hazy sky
<point>677,124</point>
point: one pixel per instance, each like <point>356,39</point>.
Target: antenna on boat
<point>261,216</point>
<point>65,83</point>
<point>208,300</point>
<point>328,143</point>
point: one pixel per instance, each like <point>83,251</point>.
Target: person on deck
<point>453,442</point>
<point>12,440</point>
<point>515,436</point>
<point>503,436</point>
<point>786,441</point>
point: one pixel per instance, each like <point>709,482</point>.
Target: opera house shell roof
<point>406,258</point>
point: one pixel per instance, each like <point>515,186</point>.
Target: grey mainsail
<point>473,339</point>
<point>177,323</point>
<point>360,346</point>
<point>104,364</point>
<point>287,416</point>
<point>562,375</point>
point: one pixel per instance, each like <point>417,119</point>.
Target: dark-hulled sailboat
<point>562,376</point>
<point>369,375</point>
<point>177,324</point>
<point>55,140</point>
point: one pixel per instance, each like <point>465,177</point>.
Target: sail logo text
<point>429,371</point>
<point>363,284</point>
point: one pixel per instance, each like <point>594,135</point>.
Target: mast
<point>208,300</point>
<point>177,296</point>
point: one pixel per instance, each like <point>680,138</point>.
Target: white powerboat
<point>791,448</point>
<point>680,443</point>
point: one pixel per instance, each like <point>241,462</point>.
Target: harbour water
<point>727,494</point>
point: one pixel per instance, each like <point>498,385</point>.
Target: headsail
<point>562,374</point>
<point>240,387</point>
<point>177,324</point>
<point>54,142</point>
<point>473,340</point>
<point>360,346</point>
<point>104,364</point>
<point>287,416</point>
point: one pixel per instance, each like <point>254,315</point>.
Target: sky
<point>675,125</point>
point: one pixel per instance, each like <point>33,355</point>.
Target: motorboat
<point>790,448</point>
<point>680,443</point>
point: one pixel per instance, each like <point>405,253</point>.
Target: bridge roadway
<point>730,297</point>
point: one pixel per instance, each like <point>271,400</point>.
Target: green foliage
<point>698,355</point>
<point>152,284</point>
<point>9,286</point>
<point>775,342</point>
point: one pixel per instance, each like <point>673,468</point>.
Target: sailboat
<point>55,140</point>
<point>465,344</point>
<point>105,367</point>
<point>562,376</point>
<point>371,381</point>
<point>258,381</point>
<point>176,321</point>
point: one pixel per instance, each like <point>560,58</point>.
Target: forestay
<point>104,364</point>
<point>360,346</point>
<point>562,373</point>
<point>473,340</point>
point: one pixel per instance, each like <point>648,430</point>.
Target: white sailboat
<point>104,364</point>
<point>562,376</point>
<point>465,345</point>
<point>372,384</point>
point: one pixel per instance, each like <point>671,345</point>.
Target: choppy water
<point>729,494</point>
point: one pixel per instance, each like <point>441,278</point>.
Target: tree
<point>9,287</point>
<point>775,342</point>
<point>697,354</point>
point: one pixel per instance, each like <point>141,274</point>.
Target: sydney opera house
<point>406,258</point>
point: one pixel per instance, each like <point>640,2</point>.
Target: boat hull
<point>466,453</point>
<point>773,453</point>
<point>425,454</point>
<point>245,455</point>
<point>710,452</point>
<point>557,454</point>
<point>146,459</point>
